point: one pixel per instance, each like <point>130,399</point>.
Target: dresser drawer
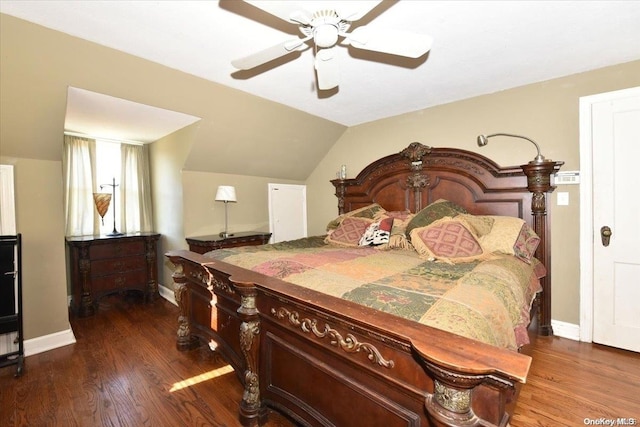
<point>104,267</point>
<point>114,282</point>
<point>121,248</point>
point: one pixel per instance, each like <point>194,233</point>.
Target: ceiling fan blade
<point>354,10</point>
<point>395,42</point>
<point>269,54</point>
<point>289,11</point>
<point>327,70</point>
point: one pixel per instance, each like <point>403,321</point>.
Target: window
<point>108,170</point>
<point>94,166</point>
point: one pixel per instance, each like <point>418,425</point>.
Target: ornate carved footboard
<point>327,361</point>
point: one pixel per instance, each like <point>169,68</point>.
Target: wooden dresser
<point>203,244</point>
<point>103,265</point>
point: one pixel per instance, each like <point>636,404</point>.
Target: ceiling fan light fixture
<point>325,35</point>
<point>325,27</point>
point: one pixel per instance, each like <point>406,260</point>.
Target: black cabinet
<point>11,300</point>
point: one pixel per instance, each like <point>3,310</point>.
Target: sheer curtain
<point>136,213</point>
<point>78,162</point>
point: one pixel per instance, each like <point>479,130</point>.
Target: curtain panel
<point>78,162</point>
<point>136,213</point>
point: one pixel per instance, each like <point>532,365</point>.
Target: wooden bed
<point>326,361</point>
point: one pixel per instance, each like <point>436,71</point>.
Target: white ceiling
<point>479,47</point>
<point>99,115</point>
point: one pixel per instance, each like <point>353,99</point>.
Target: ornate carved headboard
<point>420,175</point>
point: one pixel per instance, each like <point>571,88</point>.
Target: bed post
<point>252,412</point>
<point>185,341</point>
<point>539,184</point>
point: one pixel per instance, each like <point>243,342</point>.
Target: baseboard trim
<point>566,330</point>
<point>167,294</point>
<point>66,337</point>
<point>48,342</point>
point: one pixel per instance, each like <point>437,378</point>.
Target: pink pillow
<point>448,240</point>
<point>349,231</point>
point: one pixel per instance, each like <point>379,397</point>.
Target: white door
<point>615,125</point>
<point>287,212</point>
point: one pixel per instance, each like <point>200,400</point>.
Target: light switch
<point>563,198</point>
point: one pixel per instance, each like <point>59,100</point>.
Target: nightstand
<point>203,244</point>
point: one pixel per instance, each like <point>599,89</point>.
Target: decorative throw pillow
<point>526,243</point>
<point>349,231</point>
<point>377,233</point>
<point>480,224</point>
<point>370,211</point>
<point>398,238</point>
<point>511,236</point>
<point>437,210</point>
<point>447,239</point>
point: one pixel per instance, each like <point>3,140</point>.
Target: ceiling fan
<point>324,27</point>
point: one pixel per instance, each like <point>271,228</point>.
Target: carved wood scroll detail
<point>221,285</point>
<point>451,398</point>
<point>251,408</point>
<point>456,163</point>
<point>185,340</point>
<point>415,152</point>
<point>417,180</point>
<point>248,333</point>
<point>349,344</point>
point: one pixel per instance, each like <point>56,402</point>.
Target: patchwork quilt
<point>487,300</point>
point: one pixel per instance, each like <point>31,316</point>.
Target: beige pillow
<point>512,236</point>
<point>481,224</point>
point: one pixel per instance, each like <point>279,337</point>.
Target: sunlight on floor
<point>202,377</point>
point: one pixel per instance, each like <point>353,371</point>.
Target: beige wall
<point>40,220</point>
<point>546,112</point>
<point>167,157</point>
<point>204,216</point>
<point>184,204</point>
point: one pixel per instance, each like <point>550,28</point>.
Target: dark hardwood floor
<point>124,370</point>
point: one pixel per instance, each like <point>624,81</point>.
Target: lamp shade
<point>226,193</point>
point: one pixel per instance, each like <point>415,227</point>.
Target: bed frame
<point>326,361</point>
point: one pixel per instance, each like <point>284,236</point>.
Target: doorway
<point>287,212</point>
<point>609,212</point>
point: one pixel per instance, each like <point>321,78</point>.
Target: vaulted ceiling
<point>479,47</point>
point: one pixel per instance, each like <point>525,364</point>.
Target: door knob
<point>605,235</point>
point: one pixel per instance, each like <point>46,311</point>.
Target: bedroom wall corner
<point>167,157</point>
